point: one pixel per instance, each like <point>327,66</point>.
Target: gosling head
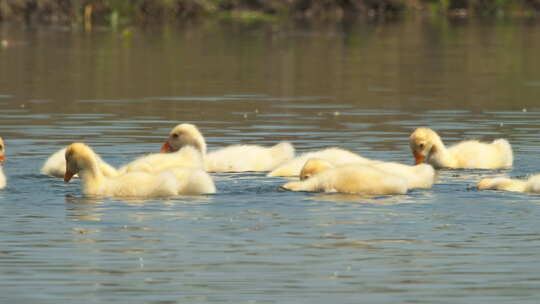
<point>77,155</point>
<point>314,166</point>
<point>184,135</point>
<point>422,144</point>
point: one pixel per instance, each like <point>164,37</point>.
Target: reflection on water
<point>414,196</point>
<point>363,87</point>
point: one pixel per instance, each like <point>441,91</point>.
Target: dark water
<point>363,87</point>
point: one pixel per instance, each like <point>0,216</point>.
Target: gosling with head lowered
<point>419,176</point>
<point>361,179</point>
<point>530,185</point>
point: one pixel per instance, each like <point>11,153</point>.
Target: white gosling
<point>187,157</point>
<point>336,156</point>
<point>354,179</point>
<point>419,176</point>
<point>531,185</point>
<point>427,146</point>
<point>3,180</point>
<point>235,158</point>
<point>82,159</point>
<point>193,181</point>
<point>55,165</point>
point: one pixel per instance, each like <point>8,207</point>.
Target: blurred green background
<point>115,12</point>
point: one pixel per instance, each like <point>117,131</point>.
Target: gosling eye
<point>174,135</point>
<point>421,146</point>
<point>1,148</point>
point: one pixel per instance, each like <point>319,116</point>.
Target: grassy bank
<point>115,12</point>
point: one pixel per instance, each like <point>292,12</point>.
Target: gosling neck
<point>439,156</point>
<point>91,176</point>
<point>200,145</point>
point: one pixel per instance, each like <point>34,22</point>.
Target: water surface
<point>364,87</point>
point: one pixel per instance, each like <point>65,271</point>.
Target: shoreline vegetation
<point>120,12</point>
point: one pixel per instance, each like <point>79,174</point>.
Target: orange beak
<point>418,157</point>
<point>166,148</point>
<point>68,175</point>
<point>2,158</point>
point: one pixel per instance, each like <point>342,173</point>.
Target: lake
<point>363,86</point>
